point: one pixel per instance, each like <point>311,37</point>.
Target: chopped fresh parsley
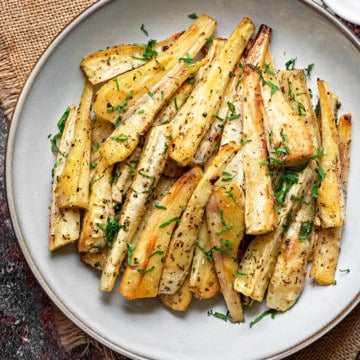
<point>344,270</point>
<point>193,16</point>
<point>308,70</point>
<point>226,226</point>
<point>219,315</point>
<point>111,228</point>
<point>320,171</point>
<point>231,195</point>
<point>161,207</point>
<point>227,176</point>
<point>145,271</point>
<point>168,222</point>
<point>119,138</point>
<point>130,249</point>
<point>207,253</point>
<point>143,29</point>
<point>187,60</point>
<point>270,312</point>
<point>306,228</point>
<point>156,252</point>
<point>287,179</point>
<point>60,126</point>
<point>290,64</point>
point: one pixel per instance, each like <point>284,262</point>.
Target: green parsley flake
<point>168,222</point>
<point>60,126</point>
<point>193,16</point>
<point>119,138</point>
<point>219,315</point>
<point>270,312</point>
<point>111,228</point>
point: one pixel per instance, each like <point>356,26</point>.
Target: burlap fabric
<point>26,29</point>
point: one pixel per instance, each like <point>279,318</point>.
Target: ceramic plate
<point>146,329</point>
<point>347,9</point>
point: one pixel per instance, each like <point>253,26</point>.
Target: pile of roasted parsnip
<point>193,166</point>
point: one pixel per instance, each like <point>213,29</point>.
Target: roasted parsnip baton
<point>197,114</point>
<point>125,138</point>
<point>180,300</point>
<point>124,174</point>
<point>330,200</point>
<point>64,223</point>
<point>95,259</point>
<point>344,130</point>
<point>289,139</point>
<point>257,265</point>
<point>72,187</point>
<point>181,248</point>
<point>100,131</point>
<point>141,278</point>
<point>226,222</point>
<point>325,255</point>
<point>170,109</point>
<point>100,212</point>
<point>260,214</point>
<point>113,100</point>
<point>288,278</point>
<point>257,52</point>
<point>293,84</point>
<point>214,134</point>
<point>105,64</point>
<point>148,173</point>
<point>327,246</point>
<point>203,280</point>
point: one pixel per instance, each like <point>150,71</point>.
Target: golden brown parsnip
<point>197,114</point>
<point>330,200</point>
<point>203,281</point>
<point>225,214</point>
<point>72,188</point>
<point>99,212</point>
<point>147,175</point>
<point>105,64</point>
<point>260,214</point>
<point>64,223</point>
<point>153,241</point>
<point>181,248</point>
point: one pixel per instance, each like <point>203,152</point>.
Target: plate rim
<point>14,218</point>
<point>339,10</point>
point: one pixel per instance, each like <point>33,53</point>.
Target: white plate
<point>145,329</point>
<point>347,9</point>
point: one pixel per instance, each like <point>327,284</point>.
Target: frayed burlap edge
<point>71,337</point>
<point>10,88</point>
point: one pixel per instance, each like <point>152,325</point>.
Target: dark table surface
<point>28,329</point>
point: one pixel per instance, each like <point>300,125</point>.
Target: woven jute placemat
<point>27,27</point>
